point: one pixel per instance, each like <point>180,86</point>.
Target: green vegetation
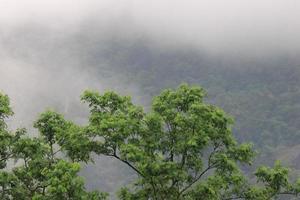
<point>39,172</point>
<point>262,94</point>
<point>183,148</point>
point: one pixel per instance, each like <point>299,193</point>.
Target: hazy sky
<point>210,23</point>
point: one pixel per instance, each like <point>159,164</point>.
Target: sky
<point>213,24</point>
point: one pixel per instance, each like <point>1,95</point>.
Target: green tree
<point>40,172</point>
<point>5,136</point>
<point>182,149</point>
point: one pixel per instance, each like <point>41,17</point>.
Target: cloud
<point>214,24</point>
<point>46,46</point>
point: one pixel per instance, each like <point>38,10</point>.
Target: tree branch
<point>129,164</point>
<point>209,167</point>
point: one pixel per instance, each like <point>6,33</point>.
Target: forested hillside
<point>261,91</point>
<point>262,94</point>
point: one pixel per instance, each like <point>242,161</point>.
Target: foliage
<point>183,148</point>
<point>39,172</point>
<point>262,93</point>
<point>5,137</point>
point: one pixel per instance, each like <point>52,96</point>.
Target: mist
<point>51,44</point>
<point>215,25</point>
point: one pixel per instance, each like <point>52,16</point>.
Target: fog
<point>50,51</point>
<point>46,45</point>
<point>216,25</point>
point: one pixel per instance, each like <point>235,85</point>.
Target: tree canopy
<point>183,148</point>
<point>39,173</point>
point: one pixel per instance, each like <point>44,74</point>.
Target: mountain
<point>260,90</point>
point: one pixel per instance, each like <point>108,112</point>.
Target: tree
<point>40,173</point>
<point>182,149</point>
<point>5,137</point>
